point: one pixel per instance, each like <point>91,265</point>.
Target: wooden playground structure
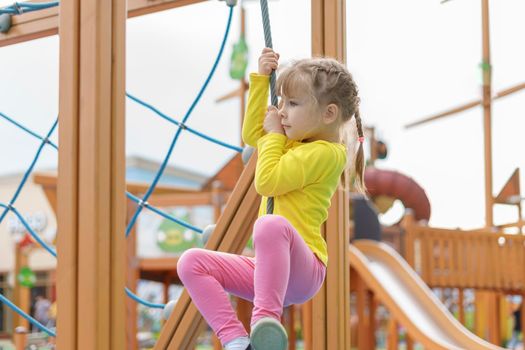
<point>90,202</point>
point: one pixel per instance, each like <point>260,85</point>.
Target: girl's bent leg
<point>208,275</point>
<point>286,269</point>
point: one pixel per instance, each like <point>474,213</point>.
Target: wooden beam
<point>487,114</point>
<point>50,180</point>
<point>466,106</point>
<point>44,23</point>
<point>189,199</point>
<point>157,264</point>
<point>91,183</point>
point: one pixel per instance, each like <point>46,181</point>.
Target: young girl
<point>300,162</point>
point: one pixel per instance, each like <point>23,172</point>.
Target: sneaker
<point>268,334</point>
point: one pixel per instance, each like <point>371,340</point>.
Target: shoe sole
<point>269,336</point>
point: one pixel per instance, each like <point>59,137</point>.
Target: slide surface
<point>409,299</point>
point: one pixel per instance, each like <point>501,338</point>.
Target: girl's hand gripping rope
<point>268,61</point>
<point>272,121</point>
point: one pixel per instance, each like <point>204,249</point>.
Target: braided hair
<point>329,81</point>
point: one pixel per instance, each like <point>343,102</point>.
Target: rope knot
<point>18,9</point>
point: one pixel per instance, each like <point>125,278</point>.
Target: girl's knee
<point>270,226</point>
<point>188,262</point>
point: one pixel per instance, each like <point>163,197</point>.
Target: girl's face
<point>300,116</point>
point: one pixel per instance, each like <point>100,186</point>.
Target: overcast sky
<point>410,58</point>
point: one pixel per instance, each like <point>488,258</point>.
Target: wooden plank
<point>132,277</point>
<point>68,186</point>
<point>522,309</point>
<point>44,23</point>
<point>331,305</point>
<point>183,199</point>
<point>118,247</point>
<point>461,306</point>
<point>441,277</point>
<point>49,180</point>
<point>157,264</point>
<point>338,273</point>
<point>363,321</point>
<point>91,166</point>
<point>319,319</point>
<point>393,337</point>
<point>306,316</point>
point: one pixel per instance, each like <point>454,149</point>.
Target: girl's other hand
<point>272,121</point>
<point>268,61</point>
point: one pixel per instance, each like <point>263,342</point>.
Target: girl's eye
<point>293,103</point>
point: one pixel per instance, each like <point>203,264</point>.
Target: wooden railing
<point>458,259</point>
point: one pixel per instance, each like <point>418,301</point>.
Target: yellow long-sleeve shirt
<point>302,177</point>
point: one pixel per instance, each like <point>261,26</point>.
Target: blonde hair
<point>328,81</point>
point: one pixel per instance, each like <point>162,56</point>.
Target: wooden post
<point>393,338</point>
<point>244,312</point>
<point>307,323</point>
<point>91,188</point>
<point>331,306</point>
<point>20,338</point>
<point>408,223</point>
<point>372,304</point>
<point>292,339</point>
<point>480,313</point>
<point>522,307</point>
<point>494,318</point>
<point>22,295</point>
<point>363,309</point>
<point>461,307</point>
<point>132,277</point>
<point>410,342</point>
<point>487,113</point>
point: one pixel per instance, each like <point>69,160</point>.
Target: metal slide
<point>409,299</point>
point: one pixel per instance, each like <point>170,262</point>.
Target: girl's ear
<point>330,113</point>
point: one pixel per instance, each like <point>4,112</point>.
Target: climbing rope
<point>268,43</point>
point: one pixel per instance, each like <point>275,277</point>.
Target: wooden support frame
<point>44,23</point>
<point>91,205</point>
<point>91,183</point>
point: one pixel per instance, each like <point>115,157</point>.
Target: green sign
<point>239,59</point>
<point>175,238</point>
<point>26,277</point>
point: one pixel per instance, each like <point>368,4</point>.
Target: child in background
<point>301,156</point>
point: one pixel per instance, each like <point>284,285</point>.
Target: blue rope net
<point>19,8</point>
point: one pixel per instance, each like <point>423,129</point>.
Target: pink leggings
<point>284,271</point>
